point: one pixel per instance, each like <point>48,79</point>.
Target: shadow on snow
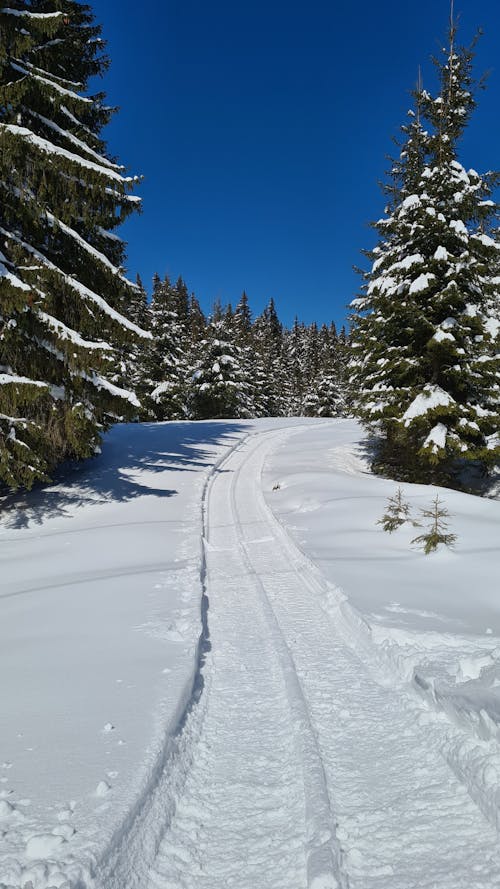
<point>132,456</point>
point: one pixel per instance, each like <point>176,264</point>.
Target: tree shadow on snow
<point>133,458</point>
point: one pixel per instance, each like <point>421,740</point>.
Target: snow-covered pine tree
<point>242,334</point>
<point>197,325</point>
<point>310,404</point>
<point>62,287</point>
<point>163,383</point>
<point>133,351</point>
<point>427,370</point>
<point>295,359</point>
<point>138,308</point>
<point>218,389</point>
<point>330,382</point>
<point>271,380</point>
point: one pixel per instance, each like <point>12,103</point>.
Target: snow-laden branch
<point>49,148</point>
<point>49,75</point>
<point>13,379</point>
<point>79,288</point>
<point>66,333</point>
<point>60,89</point>
<point>31,15</point>
<point>71,138</point>
<point>89,249</point>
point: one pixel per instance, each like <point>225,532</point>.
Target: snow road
<point>297,767</point>
<point>302,757</point>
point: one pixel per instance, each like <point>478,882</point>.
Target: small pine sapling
<point>436,532</point>
<point>396,514</point>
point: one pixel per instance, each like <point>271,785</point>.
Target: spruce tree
<point>426,367</point>
<point>330,388</point>
<point>163,384</point>
<point>437,530</point>
<point>63,292</point>
<point>271,381</point>
<point>218,389</point>
<point>295,359</point>
<point>242,334</point>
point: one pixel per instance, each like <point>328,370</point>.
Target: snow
<point>49,148</point>
<point>80,288</point>
<point>408,262</point>
<point>330,722</point>
<point>89,249</point>
<point>32,15</point>
<point>12,279</point>
<point>102,383</point>
<point>103,161</point>
<point>442,335</point>
<point>421,283</point>
<point>459,227</point>
<point>10,379</point>
<point>431,397</point>
<point>486,241</point>
<point>65,333</point>
<point>410,203</point>
<point>441,254</point>
<point>436,440</point>
<point>430,623</point>
<point>56,86</point>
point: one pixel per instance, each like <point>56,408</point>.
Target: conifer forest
<point>82,346</point>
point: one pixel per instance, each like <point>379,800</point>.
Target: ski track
<point>294,767</point>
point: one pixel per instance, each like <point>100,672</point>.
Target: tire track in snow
<point>126,862</point>
<point>255,809</point>
<point>404,819</point>
<point>325,868</point>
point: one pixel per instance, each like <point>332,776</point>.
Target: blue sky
<point>262,128</point>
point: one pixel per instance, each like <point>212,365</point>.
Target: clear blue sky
<point>262,128</point>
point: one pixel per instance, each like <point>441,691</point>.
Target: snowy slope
<point>431,623</point>
<point>99,625</point>
<point>307,754</point>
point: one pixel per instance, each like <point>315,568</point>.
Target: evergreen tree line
<point>229,364</point>
<point>81,347</point>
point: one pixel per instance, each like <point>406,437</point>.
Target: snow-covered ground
<point>330,727</point>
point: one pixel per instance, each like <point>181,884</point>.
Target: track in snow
<point>295,769</point>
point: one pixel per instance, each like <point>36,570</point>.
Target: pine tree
<point>310,404</point>
<point>294,359</point>
<point>242,336</point>
<point>397,512</point>
<point>271,382</point>
<point>427,369</point>
<point>218,388</point>
<point>138,309</point>
<point>62,287</point>
<point>437,530</point>
<point>163,384</point>
<point>331,377</point>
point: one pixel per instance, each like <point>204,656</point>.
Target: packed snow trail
<point>296,768</point>
<point>254,811</point>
